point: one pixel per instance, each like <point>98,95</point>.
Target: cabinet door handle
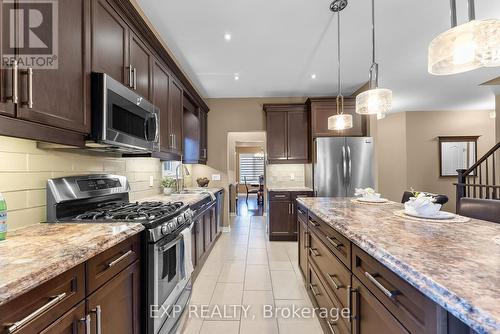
<point>387,292</point>
<point>350,291</point>
<point>115,262</point>
<point>130,76</point>
<point>29,72</point>
<point>334,242</point>
<point>331,325</point>
<point>313,289</point>
<point>18,324</point>
<point>300,211</point>
<point>306,239</point>
<point>314,252</point>
<point>86,322</point>
<point>98,324</point>
<point>293,208</point>
<point>313,223</point>
<point>15,82</point>
<point>336,284</point>
<point>134,85</point>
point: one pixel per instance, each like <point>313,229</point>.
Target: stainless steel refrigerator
<point>342,164</point>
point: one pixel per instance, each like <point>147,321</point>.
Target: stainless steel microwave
<point>122,120</point>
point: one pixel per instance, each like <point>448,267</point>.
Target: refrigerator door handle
<point>344,163</point>
<point>350,163</point>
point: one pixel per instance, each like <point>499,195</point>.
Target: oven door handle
<point>169,245</point>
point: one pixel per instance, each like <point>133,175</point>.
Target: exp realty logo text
<point>30,33</point>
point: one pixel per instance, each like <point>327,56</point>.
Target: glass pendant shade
<point>340,122</point>
<point>374,101</point>
<point>466,47</point>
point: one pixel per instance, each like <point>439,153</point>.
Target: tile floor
<point>244,268</point>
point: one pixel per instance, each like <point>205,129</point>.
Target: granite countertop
<point>277,188</point>
<point>190,199</point>
<point>457,265</point>
<point>35,254</point>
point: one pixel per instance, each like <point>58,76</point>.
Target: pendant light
<point>375,100</point>
<point>340,121</point>
<point>466,47</point>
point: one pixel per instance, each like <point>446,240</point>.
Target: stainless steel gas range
<point>105,199</point>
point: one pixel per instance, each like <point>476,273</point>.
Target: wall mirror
<point>456,152</point>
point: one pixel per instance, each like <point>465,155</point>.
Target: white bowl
<point>371,196</point>
<point>428,210</point>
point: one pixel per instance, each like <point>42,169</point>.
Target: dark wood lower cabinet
<point>283,213</point>
<point>119,303</point>
<point>303,241</point>
<point>370,316</point>
<point>66,305</point>
<point>200,236</point>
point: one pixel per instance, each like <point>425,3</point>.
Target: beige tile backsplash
<point>24,170</point>
<point>279,175</point>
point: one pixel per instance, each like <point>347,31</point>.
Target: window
<point>251,167</point>
<point>169,168</point>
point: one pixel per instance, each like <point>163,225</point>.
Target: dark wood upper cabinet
<point>161,100</point>
<point>119,301</point>
<point>288,139</point>
<point>322,108</point>
<point>298,135</point>
<point>7,107</point>
<point>176,114</point>
<point>110,42</point>
<point>60,97</point>
<point>140,61</point>
<point>203,136</point>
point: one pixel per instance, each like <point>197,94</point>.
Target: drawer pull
<point>313,289</point>
<point>300,211</point>
<point>314,252</point>
<point>86,322</point>
<point>334,242</point>
<point>336,284</point>
<point>313,223</point>
<point>115,262</point>
<point>18,324</point>
<point>387,292</point>
<point>306,239</point>
<point>331,325</point>
<point>279,196</point>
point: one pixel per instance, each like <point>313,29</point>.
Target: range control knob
<point>164,229</point>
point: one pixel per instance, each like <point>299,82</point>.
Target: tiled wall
<point>279,175</point>
<point>24,170</point>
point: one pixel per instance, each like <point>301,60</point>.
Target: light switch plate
<point>292,177</point>
<point>151,180</point>
<point>215,177</point>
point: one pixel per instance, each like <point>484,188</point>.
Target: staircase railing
<point>481,180</point>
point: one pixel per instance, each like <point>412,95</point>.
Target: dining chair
<point>250,190</point>
<point>484,209</point>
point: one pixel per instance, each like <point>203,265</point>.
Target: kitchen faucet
<point>184,171</point>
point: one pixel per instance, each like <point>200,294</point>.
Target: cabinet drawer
<point>302,213</point>
<point>330,324</point>
<point>72,322</point>
<point>415,311</point>
<point>37,309</point>
<point>297,194</point>
<point>337,278</point>
<point>336,242</point>
<point>279,196</point>
<point>104,266</point>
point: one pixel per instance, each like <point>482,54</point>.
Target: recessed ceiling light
<point>236,77</point>
<point>313,76</point>
<point>227,36</point>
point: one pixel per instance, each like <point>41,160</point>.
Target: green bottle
<point>3,218</point>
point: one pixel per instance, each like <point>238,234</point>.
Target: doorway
<point>246,166</point>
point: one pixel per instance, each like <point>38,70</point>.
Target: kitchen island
<point>453,266</point>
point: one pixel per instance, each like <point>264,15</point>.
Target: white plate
<point>440,215</point>
<point>373,200</point>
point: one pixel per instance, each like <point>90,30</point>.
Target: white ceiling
<point>277,44</point>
